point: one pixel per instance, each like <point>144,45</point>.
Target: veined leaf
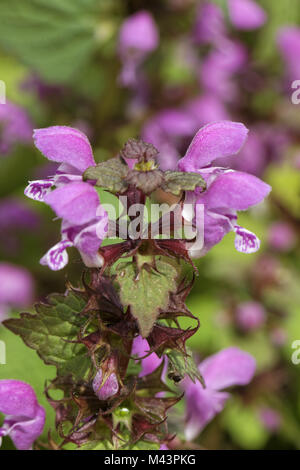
<point>49,331</point>
<point>147,291</point>
<point>56,38</point>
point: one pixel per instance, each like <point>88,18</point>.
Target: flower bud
<point>105,385</point>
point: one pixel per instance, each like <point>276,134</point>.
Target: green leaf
<point>146,291</point>
<point>56,38</point>
<point>109,175</point>
<point>181,365</point>
<point>49,331</point>
<point>177,181</point>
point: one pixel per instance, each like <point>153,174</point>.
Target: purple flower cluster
<point>227,191</point>
<point>84,222</point>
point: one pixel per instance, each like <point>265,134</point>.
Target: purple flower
<point>16,288</point>
<point>16,127</point>
<point>225,369</point>
<point>250,316</point>
<point>288,39</point>
<point>265,144</point>
<point>227,191</point>
<point>219,67</point>
<point>278,336</point>
<point>14,214</point>
<point>246,14</point>
<point>138,37</point>
<point>15,217</point>
<point>210,25</point>
<point>205,109</point>
<point>25,418</point>
<point>282,236</point>
<point>270,418</point>
<point>105,387</point>
<point>75,202</point>
<point>141,348</point>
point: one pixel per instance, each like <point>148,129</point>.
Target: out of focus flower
<point>278,336</point>
<point>25,418</point>
<point>140,348</point>
<point>270,419</point>
<point>219,68</point>
<point>205,109</point>
<point>288,39</point>
<point>16,288</point>
<point>210,25</point>
<point>138,37</point>
<point>282,236</point>
<point>167,131</point>
<point>225,369</point>
<point>266,144</point>
<point>15,216</point>
<point>44,91</point>
<point>77,203</point>
<point>227,191</point>
<point>15,127</point>
<point>246,14</point>
<point>250,316</point>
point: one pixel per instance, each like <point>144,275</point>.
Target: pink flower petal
<point>75,202</point>
<point>216,140</point>
<point>24,433</point>
<point>228,367</point>
<point>17,398</point>
<point>202,406</point>
<point>236,190</point>
<point>65,144</point>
